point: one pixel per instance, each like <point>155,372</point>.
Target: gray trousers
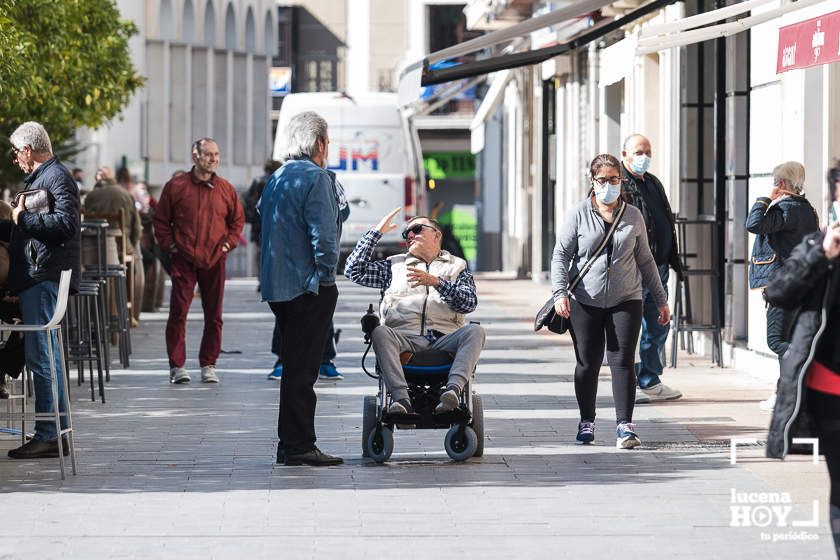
<point>466,343</point>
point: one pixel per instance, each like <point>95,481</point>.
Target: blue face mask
<point>606,194</point>
<point>640,164</point>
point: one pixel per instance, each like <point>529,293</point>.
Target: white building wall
<point>191,90</point>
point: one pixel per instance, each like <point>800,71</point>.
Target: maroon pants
<point>211,283</point>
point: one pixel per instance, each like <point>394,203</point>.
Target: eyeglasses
<point>614,180</point>
<point>15,152</point>
<point>416,229</point>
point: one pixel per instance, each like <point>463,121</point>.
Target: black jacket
<point>42,245</point>
<point>778,229</point>
<point>633,195</point>
<point>809,282</point>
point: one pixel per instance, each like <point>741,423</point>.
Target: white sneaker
<point>659,392</point>
<point>208,374</point>
<point>769,404</point>
<point>178,375</point>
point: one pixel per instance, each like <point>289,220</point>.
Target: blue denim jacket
<point>299,209</point>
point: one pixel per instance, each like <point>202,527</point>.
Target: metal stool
<point>115,274</point>
<point>54,325</point>
<point>85,334</point>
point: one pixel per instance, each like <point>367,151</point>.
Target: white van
<point>371,155</point>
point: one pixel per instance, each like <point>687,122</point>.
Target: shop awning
<point>682,33</point>
<point>492,100</point>
<point>414,76</point>
<point>809,43</point>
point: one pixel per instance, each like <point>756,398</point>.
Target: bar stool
<point>85,334</point>
<point>100,269</point>
<point>54,325</point>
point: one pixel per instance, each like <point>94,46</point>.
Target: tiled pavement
<point>187,471</point>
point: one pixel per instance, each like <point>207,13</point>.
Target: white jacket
<point>418,310</point>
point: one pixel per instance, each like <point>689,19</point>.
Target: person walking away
<point>779,222</point>
<point>808,395</point>
<point>606,304</point>
<point>645,191</point>
<point>197,221</point>
<point>299,255</point>
<point>42,242</point>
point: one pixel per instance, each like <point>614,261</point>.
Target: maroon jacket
<point>198,218</point>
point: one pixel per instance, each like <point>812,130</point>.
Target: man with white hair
<point>44,239</point>
<point>198,221</point>
<point>301,226</point>
<point>779,222</point>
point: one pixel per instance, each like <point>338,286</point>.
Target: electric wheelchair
<point>426,373</point>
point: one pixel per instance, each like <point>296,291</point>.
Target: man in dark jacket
<point>198,221</point>
<point>42,242</point>
<point>645,192</point>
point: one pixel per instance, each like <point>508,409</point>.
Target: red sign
<point>809,43</point>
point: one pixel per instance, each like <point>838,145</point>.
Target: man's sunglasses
<point>416,229</point>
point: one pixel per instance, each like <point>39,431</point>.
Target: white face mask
<point>640,164</point>
<point>607,193</point>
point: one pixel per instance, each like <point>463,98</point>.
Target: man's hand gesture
<point>387,224</point>
<point>21,207</point>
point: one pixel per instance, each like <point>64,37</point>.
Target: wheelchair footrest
<point>427,421</point>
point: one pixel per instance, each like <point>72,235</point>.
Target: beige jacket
<point>418,310</point>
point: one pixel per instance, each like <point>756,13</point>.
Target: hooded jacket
<point>806,280</point>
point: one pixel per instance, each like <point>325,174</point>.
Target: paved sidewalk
<point>188,472</point>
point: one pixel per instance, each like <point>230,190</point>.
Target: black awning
<point>517,60</point>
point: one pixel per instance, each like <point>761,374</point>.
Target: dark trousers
<point>825,409</point>
<point>619,327</point>
<point>779,324</point>
<point>329,346</point>
<point>303,324</point>
<point>211,282</point>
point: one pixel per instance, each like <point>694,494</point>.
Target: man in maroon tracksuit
<point>198,221</point>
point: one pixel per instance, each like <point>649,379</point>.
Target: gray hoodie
<point>616,276</point>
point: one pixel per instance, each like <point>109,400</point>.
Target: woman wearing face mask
<point>779,222</point>
<point>606,304</point>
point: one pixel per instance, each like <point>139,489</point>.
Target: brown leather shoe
<point>39,449</point>
<point>314,458</point>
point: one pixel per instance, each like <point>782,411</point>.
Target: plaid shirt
<point>459,295</point>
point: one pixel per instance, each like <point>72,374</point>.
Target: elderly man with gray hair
<point>44,239</point>
<point>301,226</point>
<point>779,222</point>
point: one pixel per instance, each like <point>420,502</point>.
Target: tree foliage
<point>65,64</point>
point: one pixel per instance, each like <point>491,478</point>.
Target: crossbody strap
<point>600,248</point>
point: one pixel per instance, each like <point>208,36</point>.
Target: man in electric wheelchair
<point>425,294</point>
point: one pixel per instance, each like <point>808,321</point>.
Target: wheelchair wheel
<point>368,422</point>
<point>380,445</point>
<point>478,425</point>
<point>460,448</point>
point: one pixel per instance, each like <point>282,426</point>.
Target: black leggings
<point>825,409</point>
<point>619,326</point>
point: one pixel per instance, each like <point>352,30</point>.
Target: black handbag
<point>547,316</point>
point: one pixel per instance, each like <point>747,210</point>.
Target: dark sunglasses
<point>415,229</point>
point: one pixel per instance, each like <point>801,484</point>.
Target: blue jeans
<point>653,336</point>
<point>37,305</point>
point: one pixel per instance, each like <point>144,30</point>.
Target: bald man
<point>645,191</point>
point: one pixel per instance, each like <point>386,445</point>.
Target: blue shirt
<point>299,212</point>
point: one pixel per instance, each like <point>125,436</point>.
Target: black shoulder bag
<point>546,316</point>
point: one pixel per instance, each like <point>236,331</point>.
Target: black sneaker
<point>402,406</point>
<point>313,458</point>
<point>39,449</point>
